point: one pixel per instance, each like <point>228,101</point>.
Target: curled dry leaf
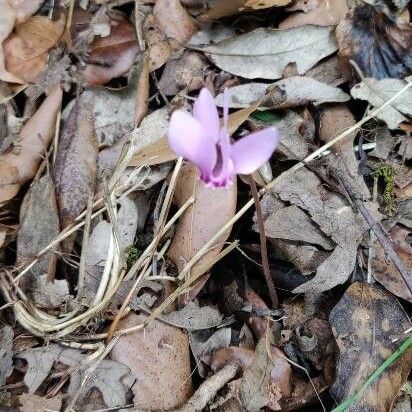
<point>286,93</point>
<point>211,210</point>
<point>265,53</point>
<point>159,359</point>
<point>20,165</point>
<point>384,271</point>
<point>256,323</point>
<point>25,51</point>
<point>373,40</point>
<point>39,225</point>
<point>76,163</point>
<point>364,322</point>
<point>111,56</point>
<point>175,22</point>
<point>377,92</point>
<point>317,12</point>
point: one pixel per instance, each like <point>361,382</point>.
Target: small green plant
<point>387,173</point>
<point>132,253</point>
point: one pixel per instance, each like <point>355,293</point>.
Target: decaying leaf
<point>377,92</point>
<point>20,165</point>
<point>39,225</point>
<point>210,211</point>
<point>289,92</point>
<point>107,376</point>
<point>76,163</point>
<point>384,271</point>
<point>33,403</point>
<point>50,294</point>
<point>6,353</point>
<point>264,53</point>
<point>111,56</point>
<point>317,12</point>
<point>264,4</point>
<point>364,322</point>
<point>25,51</point>
<point>159,361</point>
<point>174,21</point>
<point>379,47</point>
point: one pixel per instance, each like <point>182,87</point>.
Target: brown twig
<point>263,245</point>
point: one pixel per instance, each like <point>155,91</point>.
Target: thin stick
<point>263,244</point>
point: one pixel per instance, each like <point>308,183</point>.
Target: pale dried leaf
<point>264,4</point>
<point>33,403</point>
<point>264,53</point>
<point>50,294</point>
<point>377,92</point>
<point>6,353</point>
<point>24,8</point>
<point>35,137</point>
<point>159,361</point>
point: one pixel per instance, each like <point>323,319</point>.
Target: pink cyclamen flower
<point>201,140</point>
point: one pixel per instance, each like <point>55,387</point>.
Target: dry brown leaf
<point>233,354</point>
<point>318,12</point>
<point>158,47</point>
<point>76,163</point>
<point>159,359</point>
<point>33,403</point>
<point>384,271</point>
<point>39,225</point>
<point>25,51</point>
<point>211,210</point>
<point>175,22</point>
<point>264,4</point>
<point>364,322</point>
<point>380,48</point>
<point>256,323</point>
<point>20,165</point>
<point>223,8</point>
<point>153,154</point>
<point>111,56</point>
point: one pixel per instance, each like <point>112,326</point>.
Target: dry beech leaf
<point>377,92</point>
<point>265,53</point>
<point>25,51</point>
<point>159,361</point>
<point>76,163</point>
<point>20,165</point>
<point>39,225</point>
<point>211,210</point>
<point>317,12</point>
<point>384,271</point>
<point>286,93</point>
<point>111,56</point>
<point>264,4</point>
<point>174,21</point>
<point>380,48</point>
<point>33,403</point>
<point>363,323</point>
<point>158,47</point>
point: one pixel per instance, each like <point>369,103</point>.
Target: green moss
<point>265,116</point>
<point>132,253</point>
<point>387,173</point>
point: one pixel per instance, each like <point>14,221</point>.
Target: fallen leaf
<point>184,73</point>
<point>24,8</point>
<point>75,166</point>
<point>40,362</point>
<point>317,12</point>
<point>174,21</point>
<point>286,93</point>
<point>232,354</point>
<point>111,56</point>
<point>211,34</point>
<point>363,323</point>
<point>159,359</point>
<point>158,47</point>
<point>258,324</point>
<point>379,47</point>
<point>200,222</point>
<point>25,51</point>
<point>39,225</point>
<point>264,53</point>
<point>384,271</point>
<point>33,403</point>
<point>6,353</point>
<point>35,137</point>
<point>377,92</point>
<point>193,317</point>
<point>264,4</point>
<point>48,294</point>
<point>329,71</point>
<point>223,8</point>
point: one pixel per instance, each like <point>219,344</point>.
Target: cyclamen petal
<point>187,138</point>
<point>253,150</point>
<point>205,111</point>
